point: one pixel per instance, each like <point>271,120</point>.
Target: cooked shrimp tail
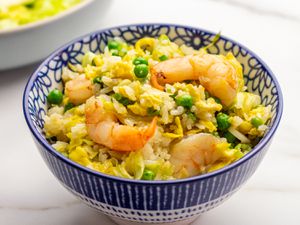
<point>149,132</point>
<point>154,81</point>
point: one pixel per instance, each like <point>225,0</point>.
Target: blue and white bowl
<point>135,201</point>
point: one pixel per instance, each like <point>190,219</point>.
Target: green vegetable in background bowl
<point>42,25</point>
<point>14,13</point>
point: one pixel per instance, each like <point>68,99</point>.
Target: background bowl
<point>32,42</point>
<point>131,201</point>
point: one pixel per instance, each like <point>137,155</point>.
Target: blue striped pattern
<point>141,201</point>
<point>151,202</point>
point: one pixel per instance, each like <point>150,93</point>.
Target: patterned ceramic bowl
<point>134,201</point>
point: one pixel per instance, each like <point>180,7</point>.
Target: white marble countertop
<point>29,193</point>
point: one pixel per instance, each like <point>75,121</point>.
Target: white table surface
<point>29,193</point>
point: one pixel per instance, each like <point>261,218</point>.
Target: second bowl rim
<point>39,137</point>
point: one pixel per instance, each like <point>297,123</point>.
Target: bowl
<point>136,201</point>
<point>34,41</point>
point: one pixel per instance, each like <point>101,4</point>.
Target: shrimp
<point>79,90</point>
<point>220,76</point>
<point>103,128</point>
<point>194,153</point>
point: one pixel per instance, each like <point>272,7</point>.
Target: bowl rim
<point>263,142</point>
<point>48,20</point>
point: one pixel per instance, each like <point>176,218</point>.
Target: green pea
<point>139,60</point>
<point>223,121</point>
<point>113,45</point>
<point>55,97</point>
<point>256,121</point>
<point>97,80</point>
<point>163,58</point>
<point>185,101</point>
<point>230,137</point>
<point>141,70</point>
<point>68,106</point>
<point>148,175</point>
